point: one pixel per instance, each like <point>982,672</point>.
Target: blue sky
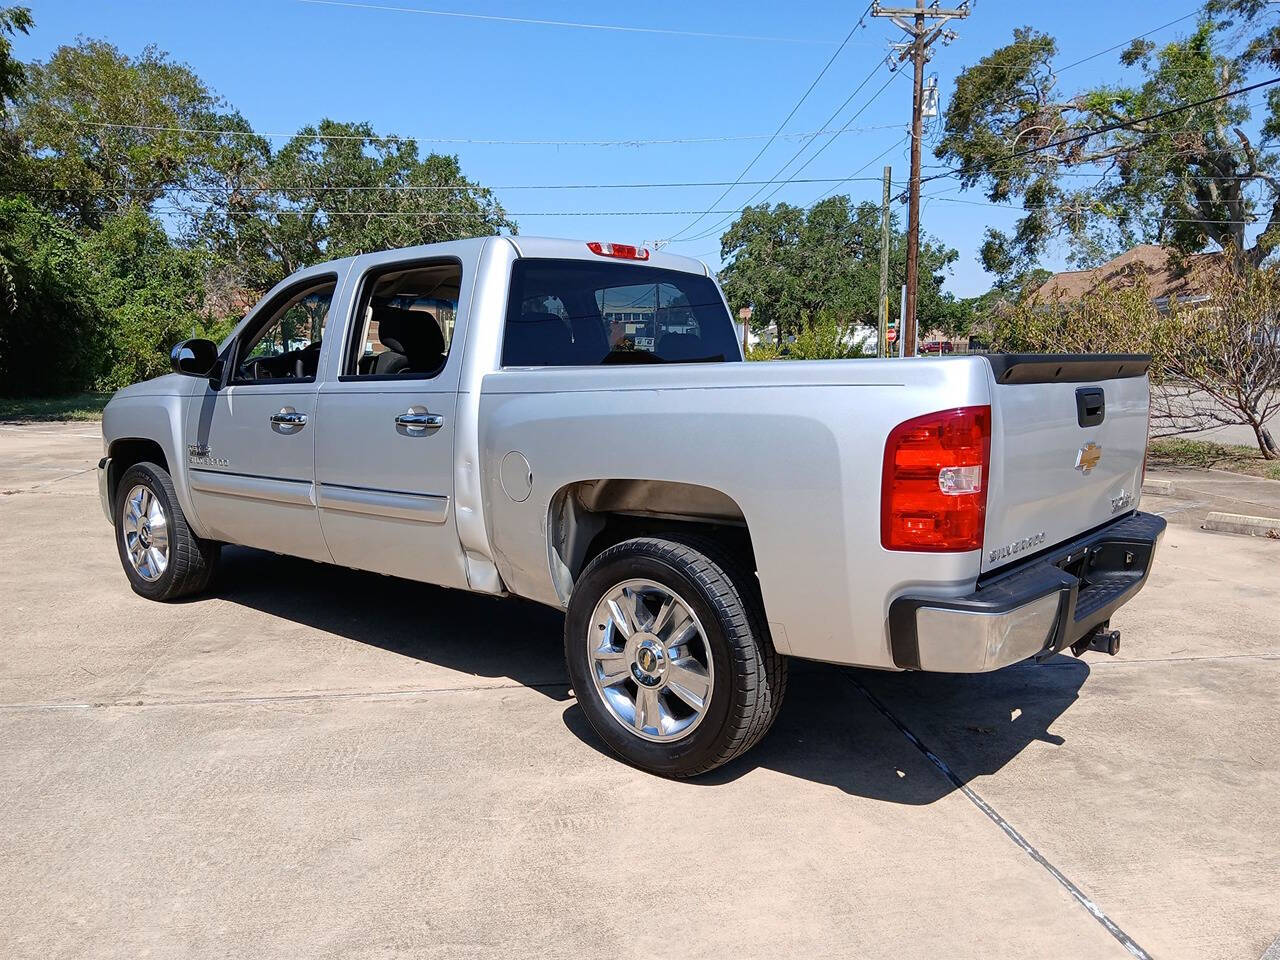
<point>286,63</point>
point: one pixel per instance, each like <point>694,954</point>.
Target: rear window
<point>574,313</point>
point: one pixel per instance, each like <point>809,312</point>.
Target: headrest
<point>414,333</point>
<point>681,346</point>
<point>537,340</point>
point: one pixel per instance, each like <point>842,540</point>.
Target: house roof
<point>1166,274</point>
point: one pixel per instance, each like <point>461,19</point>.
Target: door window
<point>404,322</point>
<point>286,345</point>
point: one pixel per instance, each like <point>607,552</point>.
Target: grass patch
<point>1177,452</point>
<point>78,406</point>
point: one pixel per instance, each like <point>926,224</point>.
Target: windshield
<point>579,313</point>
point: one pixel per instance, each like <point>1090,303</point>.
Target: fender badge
<point>1087,457</point>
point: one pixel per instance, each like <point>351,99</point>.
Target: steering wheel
<point>254,369</point>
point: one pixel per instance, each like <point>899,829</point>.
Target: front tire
<point>161,557</point>
<point>669,655</point>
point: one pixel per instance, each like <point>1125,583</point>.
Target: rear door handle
<point>420,421</point>
<point>289,418</point>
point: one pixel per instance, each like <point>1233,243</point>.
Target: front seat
<point>413,340</point>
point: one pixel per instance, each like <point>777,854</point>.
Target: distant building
<point>1167,275</point>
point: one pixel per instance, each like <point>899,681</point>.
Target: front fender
<point>158,418</point>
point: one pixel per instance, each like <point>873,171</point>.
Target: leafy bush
<point>51,338</point>
<point>151,291</point>
<point>1215,362</point>
<point>827,338</point>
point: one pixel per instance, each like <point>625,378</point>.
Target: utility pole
<point>924,25</point>
<point>885,240</point>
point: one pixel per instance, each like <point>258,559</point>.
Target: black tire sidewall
<point>680,756</point>
<point>149,476</point>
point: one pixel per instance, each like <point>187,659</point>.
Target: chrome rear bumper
<point>1035,609</point>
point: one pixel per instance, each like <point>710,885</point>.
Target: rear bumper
<point>1034,609</point>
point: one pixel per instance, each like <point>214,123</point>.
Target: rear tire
<point>676,693</point>
<point>161,557</point>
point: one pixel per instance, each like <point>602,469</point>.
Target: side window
<point>286,346</point>
<point>404,321</point>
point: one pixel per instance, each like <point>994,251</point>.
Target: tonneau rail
<point>1067,367</point>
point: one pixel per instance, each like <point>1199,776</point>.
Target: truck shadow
<point>830,732</point>
<point>472,634</point>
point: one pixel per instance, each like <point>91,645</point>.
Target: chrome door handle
<point>289,419</point>
<point>420,421</point>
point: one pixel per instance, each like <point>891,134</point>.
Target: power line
<point>782,182</point>
<point>853,176</point>
<point>1110,127</point>
<point>1141,36</point>
<point>562,23</point>
<point>1092,56</point>
<point>1101,174</point>
<point>270,188</point>
<point>1080,211</point>
<point>473,141</point>
<point>321,212</point>
<point>805,96</point>
<point>849,179</point>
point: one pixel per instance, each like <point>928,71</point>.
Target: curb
<point>1159,488</point>
<point>1239,523</point>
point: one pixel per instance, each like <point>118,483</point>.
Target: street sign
<point>891,334</point>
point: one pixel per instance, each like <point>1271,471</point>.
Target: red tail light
<point>933,495</point>
<point>621,251</point>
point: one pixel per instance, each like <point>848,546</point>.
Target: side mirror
<point>194,358</point>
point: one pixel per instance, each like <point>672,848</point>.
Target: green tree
<point>13,75</point>
<point>50,330</point>
<point>338,189</point>
<point>105,132</point>
<point>13,20</point>
<point>1090,168</point>
<point>790,265</point>
<point>151,293</point>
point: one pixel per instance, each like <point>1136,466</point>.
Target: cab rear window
<point>575,313</point>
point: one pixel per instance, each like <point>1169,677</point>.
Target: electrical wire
<point>1092,56</point>
<point>563,23</point>
<point>270,188</point>
<point>805,96</point>
<point>474,141</point>
<point>1050,209</point>
<point>320,211</point>
<point>781,183</point>
<point>1110,127</point>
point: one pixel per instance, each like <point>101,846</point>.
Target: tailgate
<point>1068,436</point>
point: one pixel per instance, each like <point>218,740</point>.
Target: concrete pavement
<point>313,762</point>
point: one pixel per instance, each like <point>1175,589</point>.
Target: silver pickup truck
<point>574,423</point>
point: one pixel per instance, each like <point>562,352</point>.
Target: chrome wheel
<point>650,660</point>
<point>145,531</point>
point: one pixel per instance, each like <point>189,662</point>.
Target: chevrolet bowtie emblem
<point>1087,457</point>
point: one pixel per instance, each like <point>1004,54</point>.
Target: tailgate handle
<point>1091,406</point>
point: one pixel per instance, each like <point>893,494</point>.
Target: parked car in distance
<point>574,423</point>
<point>938,346</point>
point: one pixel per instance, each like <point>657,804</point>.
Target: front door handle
<point>289,418</point>
<point>420,421</point>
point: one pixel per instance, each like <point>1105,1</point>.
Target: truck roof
<point>553,248</point>
<point>561,249</point>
